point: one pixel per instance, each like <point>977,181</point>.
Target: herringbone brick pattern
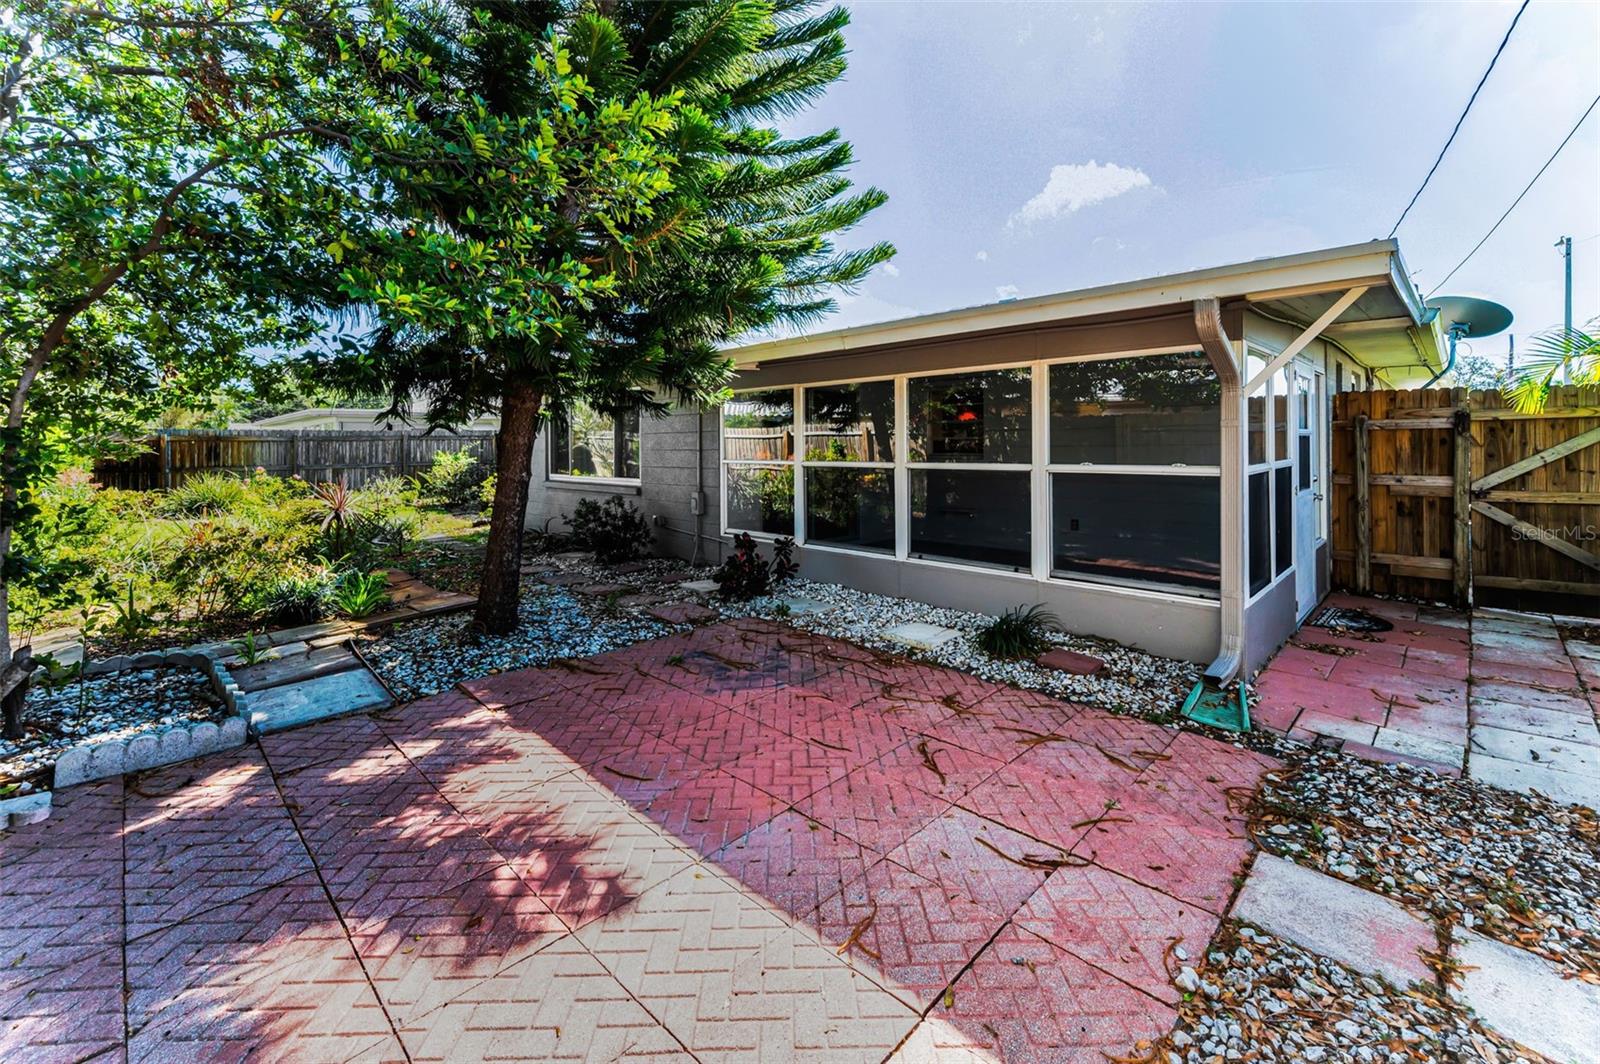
<point>744,842</point>
<point>911,932</point>
<point>981,861</point>
<point>558,1005</point>
<point>273,976</point>
<point>794,862</point>
<point>1116,924</point>
<point>1026,1000</point>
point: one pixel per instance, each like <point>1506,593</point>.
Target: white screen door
<point>1307,407</point>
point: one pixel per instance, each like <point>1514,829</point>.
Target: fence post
<point>1461,547</point>
<point>405,453</point>
<point>294,455</point>
<point>166,460</point>
<point>1363,510</point>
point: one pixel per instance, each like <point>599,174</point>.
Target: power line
<point>1570,134</point>
<point>1470,100</point>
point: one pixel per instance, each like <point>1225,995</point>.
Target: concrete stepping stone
<point>291,705</point>
<point>1573,788</point>
<point>1538,750</point>
<point>800,605</point>
<point>1533,721</point>
<point>293,668</point>
<point>1522,996</point>
<point>701,587</point>
<point>1071,661</point>
<point>682,613</point>
<point>922,636</point>
<point>1355,927</point>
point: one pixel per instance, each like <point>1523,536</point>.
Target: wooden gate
<point>1455,496</point>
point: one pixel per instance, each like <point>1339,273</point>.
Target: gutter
<point>1229,662</point>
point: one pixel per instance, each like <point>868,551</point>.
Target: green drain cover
<point>1220,709</point>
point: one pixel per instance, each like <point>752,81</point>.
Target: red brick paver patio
<point>741,843</point>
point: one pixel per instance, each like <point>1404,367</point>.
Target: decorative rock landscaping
<point>1257,997</point>
<point>432,655</point>
<point>1519,868</point>
<point>125,715</point>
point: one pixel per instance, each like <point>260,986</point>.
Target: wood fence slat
<point>1540,471</point>
<point>316,455</point>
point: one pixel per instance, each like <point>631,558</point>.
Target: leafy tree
<point>666,217</point>
<point>1478,372</point>
<point>1578,351</point>
<point>164,198</point>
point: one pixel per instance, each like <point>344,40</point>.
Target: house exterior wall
<point>666,483</point>
<point>1176,625</point>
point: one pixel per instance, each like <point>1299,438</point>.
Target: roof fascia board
<point>1336,268</point>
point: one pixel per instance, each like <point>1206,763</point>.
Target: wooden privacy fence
<point>1449,495</point>
<point>316,455</point>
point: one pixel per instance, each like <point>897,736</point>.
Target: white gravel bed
<point>1522,869</point>
<point>1255,997</point>
<point>104,708</point>
<point>1134,681</point>
<point>425,657</point>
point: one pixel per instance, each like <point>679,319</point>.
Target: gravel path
<point>1519,868</point>
<point>103,708</point>
<point>1255,997</point>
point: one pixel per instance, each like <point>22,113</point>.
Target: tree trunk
<point>499,588</point>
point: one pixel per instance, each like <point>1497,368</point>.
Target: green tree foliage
<point>1576,351</point>
<point>166,197</point>
<point>133,137</point>
<point>620,208</point>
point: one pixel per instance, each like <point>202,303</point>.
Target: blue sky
<point>1035,148</point>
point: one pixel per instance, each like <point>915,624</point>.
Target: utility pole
<point>1565,244</point>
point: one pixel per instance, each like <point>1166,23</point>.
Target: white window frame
<point>724,462</point>
<point>802,463</point>
<point>1032,568</point>
<point>1039,469</point>
<point>1092,468</point>
<point>1270,466</point>
<point>568,478</point>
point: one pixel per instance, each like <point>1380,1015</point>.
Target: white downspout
<point>1219,349</point>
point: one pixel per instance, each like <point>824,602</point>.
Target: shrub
<point>218,565</point>
<point>486,494</point>
<point>300,597</point>
<point>614,530</point>
<point>1018,633</point>
<point>745,575</point>
<point>205,495</point>
<point>378,540</point>
<point>359,594</point>
<point>453,480</point>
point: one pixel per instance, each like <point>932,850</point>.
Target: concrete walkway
<point>1502,696</point>
<point>741,843</point>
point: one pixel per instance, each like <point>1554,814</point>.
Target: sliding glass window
<point>970,454</point>
<point>588,443</point>
<point>848,465</point>
<point>758,462</point>
<point>1135,485</point>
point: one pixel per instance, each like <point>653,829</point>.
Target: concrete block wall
<point>667,472</point>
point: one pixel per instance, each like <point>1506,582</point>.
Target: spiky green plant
<point>1549,352</point>
<point>1018,632</point>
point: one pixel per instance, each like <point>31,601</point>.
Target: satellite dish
<point>1470,316</point>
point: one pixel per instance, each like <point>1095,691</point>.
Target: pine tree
<point>732,232</point>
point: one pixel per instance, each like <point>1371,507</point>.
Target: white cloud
<point>891,269</point>
<point>982,256</point>
<point>1007,291</point>
<point>1074,186</point>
